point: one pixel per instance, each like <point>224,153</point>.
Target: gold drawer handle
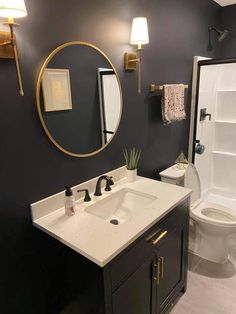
<point>162,267</point>
<point>159,237</point>
<point>156,271</point>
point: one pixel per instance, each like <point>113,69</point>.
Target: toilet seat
<point>210,213</point>
<point>192,181</point>
<point>214,214</point>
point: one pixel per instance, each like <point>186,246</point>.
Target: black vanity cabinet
<point>134,295</point>
<point>171,267</point>
<point>150,275</point>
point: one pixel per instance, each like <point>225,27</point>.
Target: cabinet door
<point>171,257</point>
<point>135,295</point>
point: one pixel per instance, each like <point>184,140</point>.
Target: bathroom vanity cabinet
<point>136,267</point>
<point>151,274</point>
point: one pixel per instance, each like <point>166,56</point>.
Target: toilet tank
<point>173,175</point>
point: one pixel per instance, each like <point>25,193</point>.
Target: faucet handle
<point>109,182</point>
<point>87,197</point>
<point>110,179</point>
<point>107,188</point>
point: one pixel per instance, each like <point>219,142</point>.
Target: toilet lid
<point>192,181</point>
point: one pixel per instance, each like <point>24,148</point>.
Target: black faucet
<point>109,182</point>
<point>87,197</point>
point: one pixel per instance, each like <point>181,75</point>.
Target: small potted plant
<point>132,157</point>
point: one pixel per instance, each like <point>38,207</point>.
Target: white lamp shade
<point>139,32</point>
<point>12,8</point>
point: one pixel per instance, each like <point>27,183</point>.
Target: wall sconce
<point>139,36</point>
<point>11,9</point>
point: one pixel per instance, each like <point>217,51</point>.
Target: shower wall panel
<point>224,148</point>
<point>224,174</point>
<point>217,93</point>
<point>205,129</point>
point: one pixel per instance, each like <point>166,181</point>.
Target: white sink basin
<point>121,205</point>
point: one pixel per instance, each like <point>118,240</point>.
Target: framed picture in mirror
<point>56,89</point>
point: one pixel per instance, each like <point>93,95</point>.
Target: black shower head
<point>222,34</point>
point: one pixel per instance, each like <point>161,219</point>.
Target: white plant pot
<point>131,175</point>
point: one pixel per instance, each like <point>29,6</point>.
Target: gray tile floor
<point>211,288</point>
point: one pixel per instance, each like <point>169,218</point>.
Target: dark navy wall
<point>33,269</point>
<point>228,46</point>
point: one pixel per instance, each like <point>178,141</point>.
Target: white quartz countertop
<point>100,241</point>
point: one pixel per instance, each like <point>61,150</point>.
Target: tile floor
<point>211,288</point>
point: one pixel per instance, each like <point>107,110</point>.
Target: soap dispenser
<point>69,202</point>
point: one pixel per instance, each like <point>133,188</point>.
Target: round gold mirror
<point>79,99</point>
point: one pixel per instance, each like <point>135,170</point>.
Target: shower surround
<point>217,165</point>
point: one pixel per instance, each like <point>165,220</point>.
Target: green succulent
<point>132,157</point>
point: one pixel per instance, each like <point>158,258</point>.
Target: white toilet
<point>210,223</point>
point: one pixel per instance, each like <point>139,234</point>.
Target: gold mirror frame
<point>38,86</point>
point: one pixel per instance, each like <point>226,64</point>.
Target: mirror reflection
<point>79,99</point>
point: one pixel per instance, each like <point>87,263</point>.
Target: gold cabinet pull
<point>159,237</point>
<point>156,271</point>
<point>162,267</point>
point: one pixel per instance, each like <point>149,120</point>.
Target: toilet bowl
<point>210,223</point>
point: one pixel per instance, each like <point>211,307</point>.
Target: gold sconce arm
<point>135,60</point>
<point>8,50</point>
<point>139,71</point>
<point>6,43</point>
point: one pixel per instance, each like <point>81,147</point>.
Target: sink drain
<point>114,222</point>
